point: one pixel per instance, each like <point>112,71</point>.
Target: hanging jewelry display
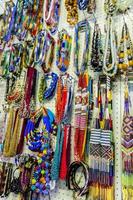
<point>63,51</point>
<point>82,26</point>
<point>97,51</point>
<point>38,138</point>
<point>125,51</point>
<point>110,58</point>
<point>101,150</point>
<point>52,14</point>
<point>72,12</point>
<point>126,148</point>
<point>45,92</point>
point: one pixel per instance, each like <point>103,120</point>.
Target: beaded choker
<point>97,52</point>
<point>51,14</point>
<point>109,64</point>
<point>63,50</point>
<point>46,93</point>
<point>125,52</point>
<point>82,26</point>
<point>72,9</point>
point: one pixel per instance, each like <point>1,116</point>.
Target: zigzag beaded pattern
<point>127,143</point>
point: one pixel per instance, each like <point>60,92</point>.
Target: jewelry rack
<point>62,192</point>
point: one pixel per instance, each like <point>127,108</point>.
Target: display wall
<point>119,81</point>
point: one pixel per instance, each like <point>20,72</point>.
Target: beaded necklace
<point>97,52</point>
<point>65,92</point>
<point>45,92</point>
<point>82,26</point>
<point>109,62</point>
<point>6,18</point>
<point>82,4</point>
<point>14,125</point>
<point>81,116</point>
<point>44,51</point>
<point>91,6</point>
<point>8,34</point>
<point>125,52</point>
<point>63,52</point>
<point>110,6</point>
<point>28,49</point>
<point>52,14</point>
<point>39,140</point>
<point>72,9</point>
<point>30,85</point>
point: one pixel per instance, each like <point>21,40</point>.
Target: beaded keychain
<point>97,51</point>
<point>72,12</point>
<point>125,51</point>
<point>82,26</point>
<point>63,51</point>
<point>52,14</point>
<point>127,148</point>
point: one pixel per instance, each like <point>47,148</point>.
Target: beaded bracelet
<point>71,176</point>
